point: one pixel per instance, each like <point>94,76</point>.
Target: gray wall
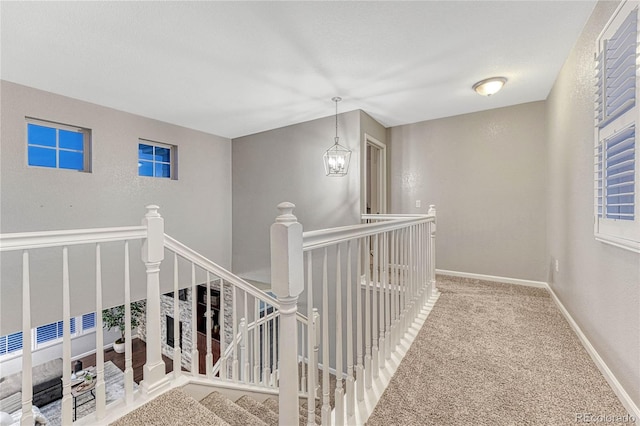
<point>598,284</point>
<point>196,207</point>
<point>485,172</point>
<point>286,165</point>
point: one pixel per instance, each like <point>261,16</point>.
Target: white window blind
<point>616,175</point>
<point>47,334</point>
<point>10,343</point>
<point>616,72</point>
<point>616,115</point>
<point>88,321</point>
<point>53,331</point>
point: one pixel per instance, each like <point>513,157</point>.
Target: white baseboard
<point>506,280</point>
<point>622,395</point>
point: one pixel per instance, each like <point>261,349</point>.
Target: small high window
<point>156,159</point>
<point>57,146</point>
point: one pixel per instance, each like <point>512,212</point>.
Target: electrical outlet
<point>418,203</point>
<point>557,265</point>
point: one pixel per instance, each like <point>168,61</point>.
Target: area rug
<point>495,354</point>
<point>114,385</point>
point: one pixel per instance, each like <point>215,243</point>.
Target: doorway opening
<point>375,176</point>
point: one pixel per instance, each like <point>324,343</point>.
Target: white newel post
<point>154,377</point>
<point>432,250</point>
<point>287,282</point>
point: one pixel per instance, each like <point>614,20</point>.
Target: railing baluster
<point>414,280</point>
<point>359,348</point>
<point>275,370</point>
<point>316,349</point>
<point>266,372</point>
<point>398,289</point>
<point>350,378</point>
<point>27,380</point>
<point>234,320</point>
<point>209,313</point>
<point>375,354</point>
<point>256,342</point>
<point>224,372</point>
<point>66,342</point>
<point>243,349</point>
<point>304,367</point>
<point>384,299</point>
<point>195,364</point>
<point>432,252</point>
<point>392,289</point>
<point>177,343</point>
<point>326,407</point>
<point>422,263</point>
<point>414,260</point>
<point>245,338</point>
<point>311,344</point>
<point>367,314</point>
<point>128,352</point>
<point>403,281</point>
<point>101,392</point>
<point>413,273</point>
<point>339,392</point>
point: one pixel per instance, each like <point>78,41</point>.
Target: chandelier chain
<point>336,100</point>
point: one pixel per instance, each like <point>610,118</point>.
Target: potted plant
<point>113,318</point>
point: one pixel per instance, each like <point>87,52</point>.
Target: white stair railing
<point>387,266</point>
<point>249,320</point>
<point>60,242</point>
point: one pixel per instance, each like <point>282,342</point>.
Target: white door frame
<point>382,187</point>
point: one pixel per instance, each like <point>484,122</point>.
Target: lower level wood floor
<point>139,358</point>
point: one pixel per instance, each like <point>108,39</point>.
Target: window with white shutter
<point>88,321</point>
<point>10,343</point>
<point>617,162</point>
<point>53,332</point>
<point>46,335</point>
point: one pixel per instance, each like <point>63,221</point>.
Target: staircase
<point>348,300</point>
<point>214,409</point>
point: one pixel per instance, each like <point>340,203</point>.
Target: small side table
<point>80,389</point>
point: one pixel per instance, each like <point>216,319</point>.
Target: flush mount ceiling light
<point>489,86</point>
<point>336,158</point>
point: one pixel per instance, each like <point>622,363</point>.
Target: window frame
<point>621,233</point>
<point>173,159</point>
<point>86,144</point>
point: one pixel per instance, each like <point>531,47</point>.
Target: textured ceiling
<point>237,68</point>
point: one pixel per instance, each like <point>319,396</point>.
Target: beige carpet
<point>172,408</point>
<point>494,354</point>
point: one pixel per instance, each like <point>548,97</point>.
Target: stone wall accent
<point>166,308</point>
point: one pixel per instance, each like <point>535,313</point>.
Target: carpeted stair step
<point>273,405</point>
<point>258,409</point>
<point>318,409</point>
<point>229,411</point>
<point>167,408</point>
